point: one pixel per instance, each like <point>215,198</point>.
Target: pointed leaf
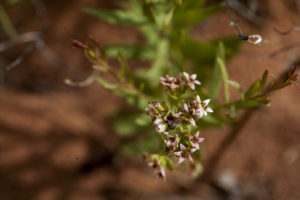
<point>253,89</point>
<point>215,83</point>
<point>116,17</point>
<point>237,86</point>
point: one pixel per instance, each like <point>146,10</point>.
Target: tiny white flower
<point>183,154</point>
<point>195,140</point>
<point>161,128</point>
<point>192,121</point>
<point>191,80</point>
<point>158,121</point>
<point>202,108</point>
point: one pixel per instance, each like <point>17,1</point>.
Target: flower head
<point>195,140</point>
<point>202,108</point>
<point>184,153</point>
<point>173,120</point>
<point>171,82</point>
<point>191,80</point>
<point>171,143</point>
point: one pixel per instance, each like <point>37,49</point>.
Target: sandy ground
<point>56,142</point>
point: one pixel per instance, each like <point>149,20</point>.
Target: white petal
<point>163,172</point>
<point>161,128</point>
<point>198,99</point>
<point>181,159</point>
<point>186,75</point>
<point>197,82</point>
<point>206,102</point>
<point>185,108</point>
<point>182,147</point>
<point>177,153</point>
<point>190,158</point>
<point>209,110</point>
<point>158,121</point>
<point>197,134</point>
<point>199,113</point>
<point>192,121</point>
<point>194,149</point>
<point>192,86</point>
<point>194,76</point>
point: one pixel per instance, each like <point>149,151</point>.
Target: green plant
<point>174,106</point>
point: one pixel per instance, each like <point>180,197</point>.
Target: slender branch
<point>218,154</point>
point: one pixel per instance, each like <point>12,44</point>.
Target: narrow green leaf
<point>225,79</point>
<point>160,63</point>
<point>187,17</point>
<point>131,51</point>
<point>253,102</point>
<point>253,89</point>
<point>215,83</point>
<point>237,86</point>
<point>149,12</point>
<point>264,80</point>
<point>106,85</point>
<point>123,73</point>
<point>116,17</point>
<point>7,24</point>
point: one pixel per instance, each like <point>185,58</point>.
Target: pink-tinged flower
<point>189,112</point>
<point>191,80</point>
<point>160,174</point>
<point>202,108</point>
<point>171,143</point>
<point>159,171</point>
<point>192,121</point>
<point>161,128</point>
<point>195,140</point>
<point>173,120</point>
<point>154,105</point>
<point>184,153</point>
<point>160,125</point>
<point>169,81</point>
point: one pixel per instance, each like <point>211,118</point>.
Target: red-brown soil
<point>56,142</point>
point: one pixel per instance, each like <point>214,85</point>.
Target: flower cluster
<point>171,121</point>
<point>172,82</point>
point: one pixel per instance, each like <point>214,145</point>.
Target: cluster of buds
<point>172,121</point>
<point>185,80</point>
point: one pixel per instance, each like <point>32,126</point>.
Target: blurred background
<point>58,142</point>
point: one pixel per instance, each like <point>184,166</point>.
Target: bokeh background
<point>57,141</point>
